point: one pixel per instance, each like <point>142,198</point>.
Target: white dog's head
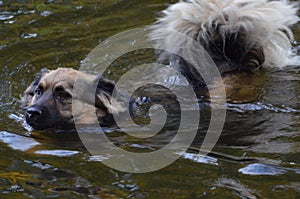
<point>238,34</point>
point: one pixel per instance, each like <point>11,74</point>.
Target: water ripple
<point>242,108</point>
<point>17,142</point>
<point>58,153</point>
<point>265,169</point>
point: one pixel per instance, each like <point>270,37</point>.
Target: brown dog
<point>49,100</point>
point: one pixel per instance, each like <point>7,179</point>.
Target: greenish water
<point>257,155</point>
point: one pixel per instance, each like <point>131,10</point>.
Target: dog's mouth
<point>39,118</point>
<point>253,59</point>
<point>48,122</point>
<point>37,124</point>
<point>248,65</point>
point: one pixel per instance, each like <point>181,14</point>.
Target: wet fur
<point>239,35</point>
<point>48,100</point>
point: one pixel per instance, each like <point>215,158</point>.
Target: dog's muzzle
<point>253,59</point>
<point>37,117</point>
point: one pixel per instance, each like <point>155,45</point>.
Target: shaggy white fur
<point>264,22</point>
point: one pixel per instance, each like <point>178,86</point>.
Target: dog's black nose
<point>33,112</point>
<point>38,117</point>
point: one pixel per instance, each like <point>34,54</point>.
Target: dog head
<point>237,34</point>
<point>232,51</point>
<point>50,100</point>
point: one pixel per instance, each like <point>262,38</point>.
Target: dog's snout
<point>253,59</point>
<point>33,112</point>
<point>38,117</point>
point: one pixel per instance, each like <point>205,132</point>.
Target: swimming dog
<point>239,35</point>
<point>50,100</point>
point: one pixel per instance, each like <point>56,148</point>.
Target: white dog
<point>238,34</point>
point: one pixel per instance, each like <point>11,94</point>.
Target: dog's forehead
<point>64,76</point>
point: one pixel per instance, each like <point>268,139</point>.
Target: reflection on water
<point>262,169</point>
<point>257,155</point>
<point>17,142</point>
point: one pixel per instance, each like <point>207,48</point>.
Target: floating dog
<point>239,35</point>
<point>48,100</point>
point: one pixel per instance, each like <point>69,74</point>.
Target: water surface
<point>257,155</point>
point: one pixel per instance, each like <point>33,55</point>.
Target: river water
<point>257,154</point>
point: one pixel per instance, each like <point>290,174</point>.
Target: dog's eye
<point>219,43</point>
<point>63,95</point>
<point>38,92</point>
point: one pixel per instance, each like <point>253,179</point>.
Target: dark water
<point>257,155</point>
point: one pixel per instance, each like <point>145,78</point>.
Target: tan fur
<point>54,95</point>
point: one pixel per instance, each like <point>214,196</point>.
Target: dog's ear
<point>104,99</point>
<point>105,85</point>
<point>29,92</point>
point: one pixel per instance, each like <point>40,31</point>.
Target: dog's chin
<point>56,127</point>
<point>37,126</point>
<point>38,123</point>
<point>48,126</point>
